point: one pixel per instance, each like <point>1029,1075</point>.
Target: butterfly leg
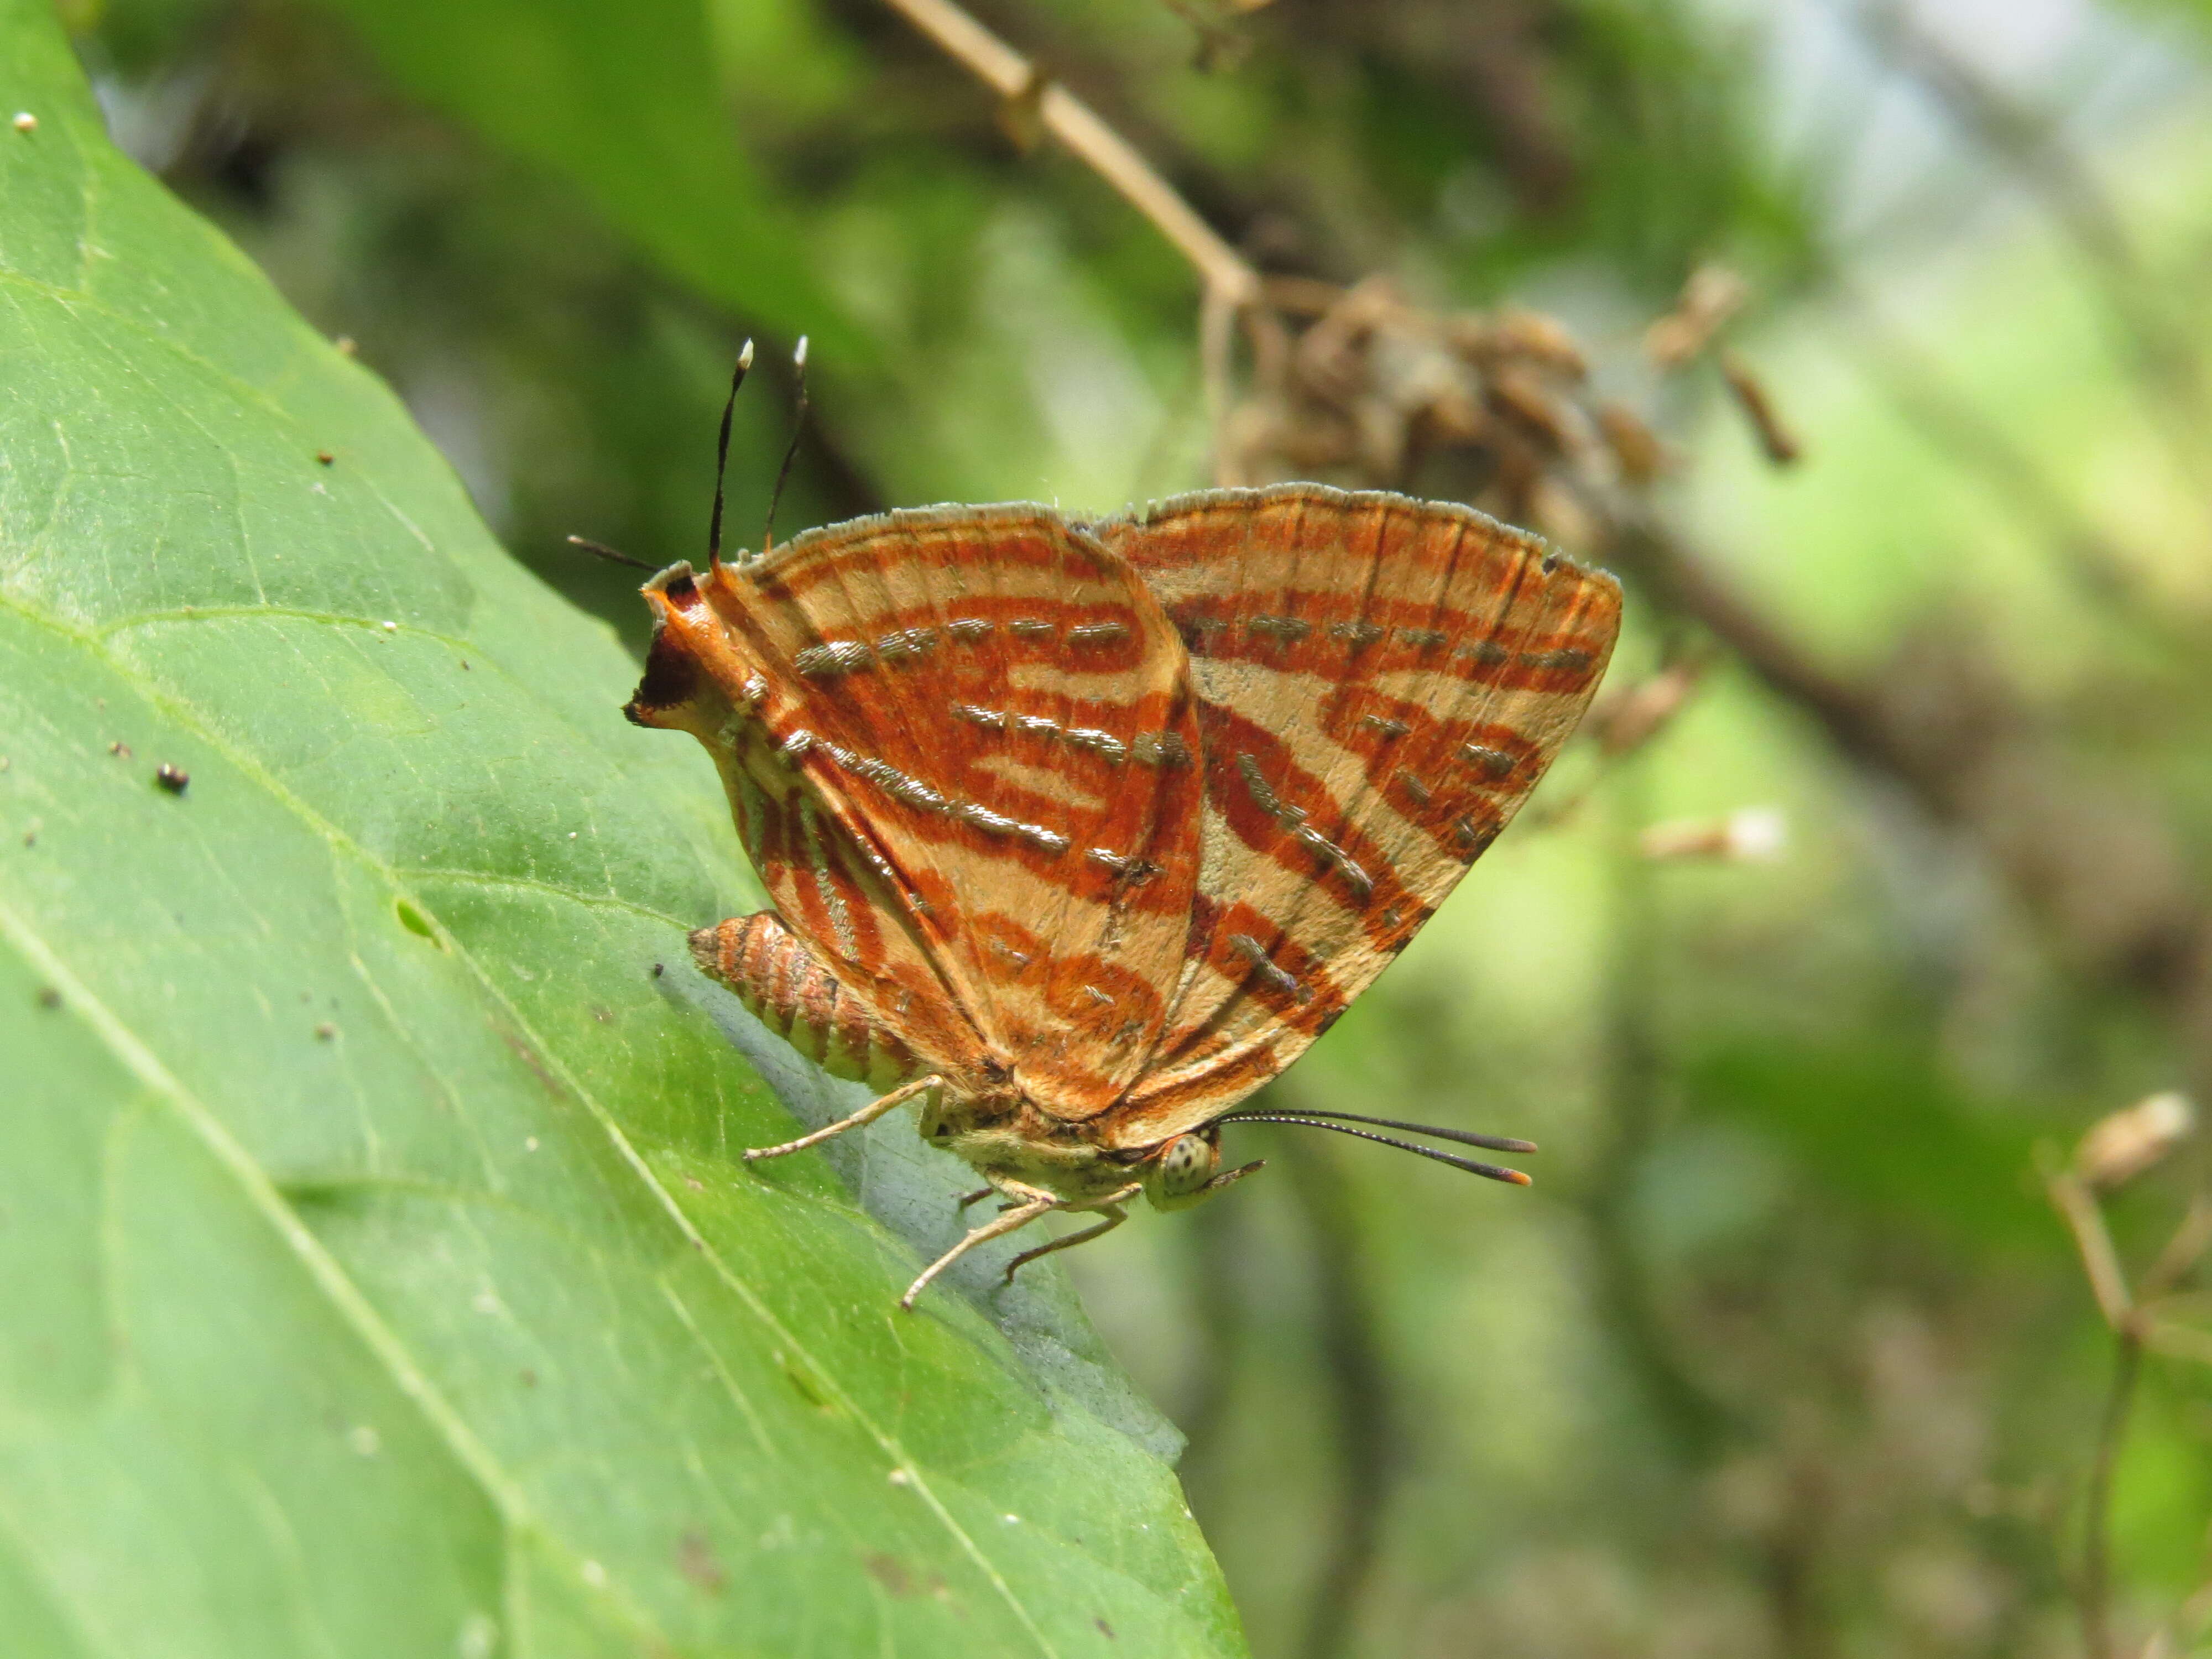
<point>1030,1203</point>
<point>977,1196</point>
<point>1116,1215</point>
<point>867,1114</point>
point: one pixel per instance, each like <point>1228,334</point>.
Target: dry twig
<point>1073,121</point>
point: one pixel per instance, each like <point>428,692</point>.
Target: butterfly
<point>1077,832</point>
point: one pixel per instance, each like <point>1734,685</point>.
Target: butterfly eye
<point>1184,1169</point>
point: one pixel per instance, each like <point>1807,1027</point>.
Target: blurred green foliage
<point>1787,1354</point>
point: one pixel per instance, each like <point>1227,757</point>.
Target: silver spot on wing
<point>906,643</point>
<point>1293,820</point>
<point>832,659</point>
<point>1099,743</point>
<point>1571,660</point>
<point>1492,763</point>
<point>1122,865</point>
<point>1265,968</point>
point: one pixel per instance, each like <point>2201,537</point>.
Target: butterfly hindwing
<point>1380,683</point>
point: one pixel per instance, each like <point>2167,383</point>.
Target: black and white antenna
<point>790,449</point>
<point>722,453</point>
<point>1338,1122</point>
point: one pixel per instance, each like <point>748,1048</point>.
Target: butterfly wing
<point>1380,683</point>
<point>962,748</point>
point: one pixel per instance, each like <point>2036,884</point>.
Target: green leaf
<point>381,1280</point>
<point>623,101</point>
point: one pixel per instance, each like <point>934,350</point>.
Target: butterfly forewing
<point>967,764</point>
<point>1381,682</point>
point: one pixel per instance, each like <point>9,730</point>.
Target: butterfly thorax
<point>1029,1146</point>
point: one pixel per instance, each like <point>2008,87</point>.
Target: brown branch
<point>1223,271</point>
<point>2076,1203</point>
<point>2100,1263</point>
<point>2103,871</point>
<point>2024,137</point>
<point>2097,1501</point>
<point>2183,1251</point>
<point>2027,140</point>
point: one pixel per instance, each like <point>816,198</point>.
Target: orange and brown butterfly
<point>1079,832</point>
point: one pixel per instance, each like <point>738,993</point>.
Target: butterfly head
<point>1187,1170</point>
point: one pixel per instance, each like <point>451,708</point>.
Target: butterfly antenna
<point>790,449</point>
<point>1434,1131</point>
<point>722,453</point>
<point>1489,1171</point>
<point>600,549</point>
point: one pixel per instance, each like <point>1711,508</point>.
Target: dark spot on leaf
<point>324,457</point>
<point>49,997</point>
<point>809,1389</point>
<point>529,1057</point>
<point>601,1015</point>
<point>1104,1629</point>
<point>659,969</point>
<point>326,1033</point>
<point>529,1379</point>
<point>695,1559</point>
<point>891,1573</point>
<point>171,778</point>
<point>413,921</point>
<point>119,747</point>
